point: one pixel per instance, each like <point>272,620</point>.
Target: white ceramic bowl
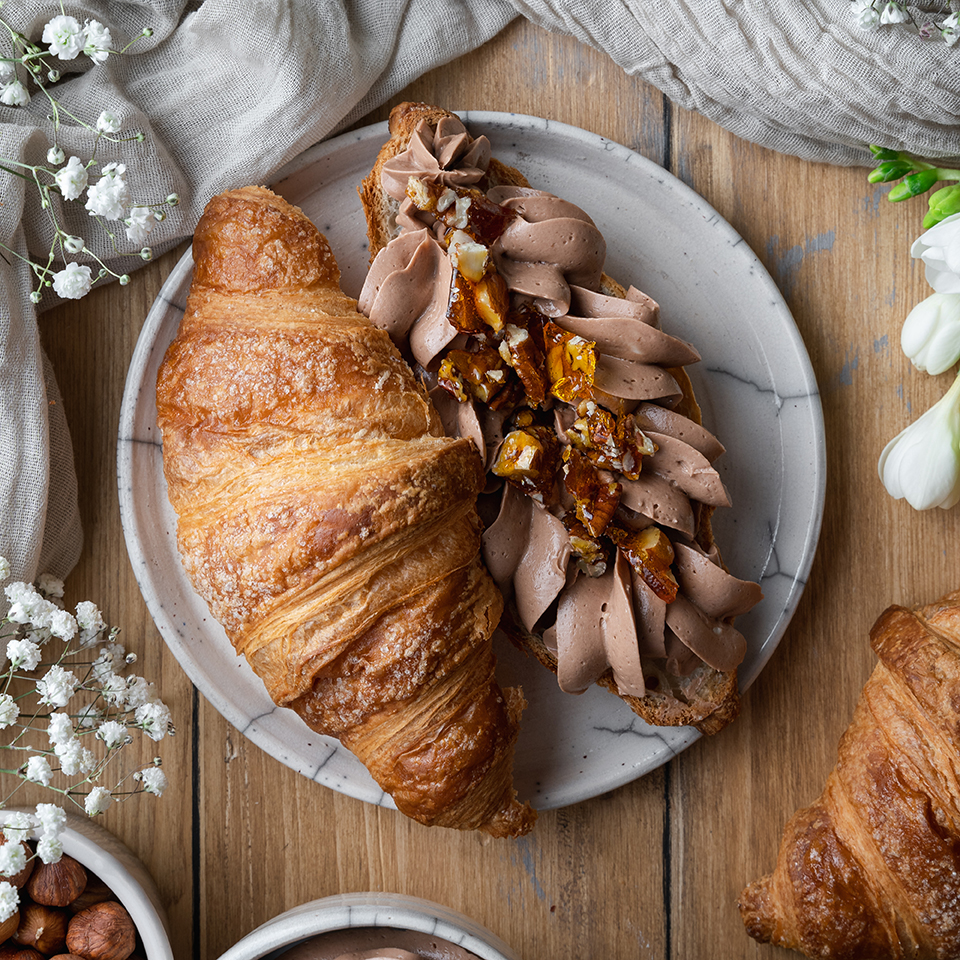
<point>346,910</point>
<point>111,860</point>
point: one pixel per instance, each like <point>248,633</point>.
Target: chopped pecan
<point>529,457</point>
<point>480,374</point>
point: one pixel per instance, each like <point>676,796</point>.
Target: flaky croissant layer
<point>329,524</point>
<point>871,870</point>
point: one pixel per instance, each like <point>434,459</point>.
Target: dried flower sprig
<point>929,21</point>
<point>29,69</point>
<point>63,676</point>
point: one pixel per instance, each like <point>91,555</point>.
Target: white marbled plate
<point>755,385</point>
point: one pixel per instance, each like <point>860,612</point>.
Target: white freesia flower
<point>57,686</point>
<point>9,711</point>
<point>65,37</point>
<point>13,858</point>
<point>73,282</point>
<point>931,333</point>
<point>109,197</point>
<point>922,463</point>
<point>108,122</point>
<point>9,901</point>
<point>97,41</point>
<point>71,180</point>
<point>38,771</point>
<point>939,249</point>
<point>97,800</point>
<point>864,15</point>
<point>14,94</point>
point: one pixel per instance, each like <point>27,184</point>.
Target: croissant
<point>871,870</point>
<point>329,524</point>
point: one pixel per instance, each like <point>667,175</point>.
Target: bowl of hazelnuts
<point>96,903</point>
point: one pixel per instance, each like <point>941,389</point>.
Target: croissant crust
<point>329,524</point>
<point>872,868</point>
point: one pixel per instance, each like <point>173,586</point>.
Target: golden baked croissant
<point>872,869</point>
<point>329,524</point>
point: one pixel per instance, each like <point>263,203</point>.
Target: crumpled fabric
<point>797,76</point>
<point>226,92</point>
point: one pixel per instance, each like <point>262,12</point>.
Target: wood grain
<point>652,869</point>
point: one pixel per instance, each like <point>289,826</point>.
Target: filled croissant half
<point>329,523</point>
<point>600,475</point>
<point>871,870</point>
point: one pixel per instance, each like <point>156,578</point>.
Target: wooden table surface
<point>654,868</point>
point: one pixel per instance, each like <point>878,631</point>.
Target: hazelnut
<point>63,956</point>
<point>9,926</point>
<point>94,892</point>
<point>10,951</point>
<point>103,931</point>
<point>41,927</point>
<point>57,884</point>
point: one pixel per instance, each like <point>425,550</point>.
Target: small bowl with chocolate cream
<point>370,926</point>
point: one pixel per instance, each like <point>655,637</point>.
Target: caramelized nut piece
<point>595,499</point>
<point>650,553</point>
<point>571,363</point>
<point>529,458</point>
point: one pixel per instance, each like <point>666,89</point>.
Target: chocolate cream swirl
<point>597,615</point>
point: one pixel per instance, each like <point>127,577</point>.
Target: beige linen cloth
<point>228,91</point>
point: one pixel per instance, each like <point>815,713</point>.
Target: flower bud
<point>931,333</point>
<point>889,170</point>
<point>944,203</point>
<point>913,185</point>
<point>922,463</point>
<point>939,249</point>
<point>56,156</point>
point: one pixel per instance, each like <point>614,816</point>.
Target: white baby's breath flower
<point>73,244</point>
<point>109,196</point>
<point>62,624</point>
<point>89,716</point>
<point>38,771</point>
<point>864,14</point>
<point>13,858</point>
<point>73,282</point>
<point>111,660</point>
<point>57,686</point>
<point>4,568</point>
<point>113,734</point>
<point>9,711</point>
<point>9,901</point>
<point>153,719</point>
<point>7,71</point>
<point>14,94</point>
<point>24,601</point>
<point>108,122</point>
<point>60,729</point>
<point>23,654</point>
<point>90,620</point>
<point>49,585</point>
<point>97,41</point>
<point>56,156</point>
<point>154,780</point>
<point>139,224</point>
<point>70,756</point>
<point>51,819</point>
<point>97,800</point>
<point>71,180</point>
<point>139,692</point>
<point>19,824</point>
<point>65,37</point>
<point>894,13</point>
<point>114,690</point>
<point>50,849</point>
